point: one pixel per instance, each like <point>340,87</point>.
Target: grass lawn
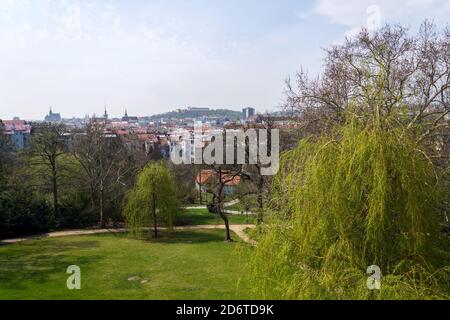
<point>181,265</point>
<point>203,217</point>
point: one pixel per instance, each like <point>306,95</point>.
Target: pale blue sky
<point>157,55</point>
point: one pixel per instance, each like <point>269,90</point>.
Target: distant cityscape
<point>144,132</point>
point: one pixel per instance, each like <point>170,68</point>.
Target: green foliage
<point>74,204</point>
<point>5,156</point>
<point>38,173</point>
<point>26,197</point>
<point>223,113</point>
<point>21,213</point>
<point>365,195</point>
<point>76,212</point>
<point>152,200</point>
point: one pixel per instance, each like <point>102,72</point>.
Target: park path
<point>238,229</point>
<point>226,205</point>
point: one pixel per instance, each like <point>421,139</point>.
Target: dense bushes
<point>75,212</point>
<point>22,214</point>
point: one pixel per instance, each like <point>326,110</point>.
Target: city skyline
<point>125,112</point>
<point>154,57</point>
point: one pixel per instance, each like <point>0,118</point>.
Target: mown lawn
<point>203,217</point>
<point>194,264</point>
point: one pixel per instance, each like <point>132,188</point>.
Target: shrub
<point>22,214</point>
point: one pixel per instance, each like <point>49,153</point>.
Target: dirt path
<point>225,205</point>
<point>238,229</point>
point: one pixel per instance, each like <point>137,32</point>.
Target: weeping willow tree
<point>152,200</point>
<point>363,195</point>
<point>363,191</point>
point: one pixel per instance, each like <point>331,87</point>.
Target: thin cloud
<point>354,14</point>
<point>154,56</point>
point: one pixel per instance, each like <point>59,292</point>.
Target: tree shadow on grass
<point>192,220</point>
<point>37,262</point>
<point>197,217</point>
<point>186,236</point>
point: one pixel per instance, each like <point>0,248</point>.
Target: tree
<point>413,69</point>
<point>105,162</point>
<point>363,196</point>
<point>254,182</point>
<point>152,200</point>
<point>362,190</point>
<point>184,176</point>
<point>221,176</point>
<point>46,147</point>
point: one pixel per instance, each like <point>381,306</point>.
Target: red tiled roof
<point>204,176</point>
<point>16,125</point>
<point>122,132</point>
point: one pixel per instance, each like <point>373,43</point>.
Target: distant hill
<point>199,112</point>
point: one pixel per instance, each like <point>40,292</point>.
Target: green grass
<point>181,265</point>
<point>238,207</point>
<point>206,198</point>
<point>252,233</point>
<point>203,217</point>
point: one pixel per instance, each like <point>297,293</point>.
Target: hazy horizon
<point>118,116</point>
<point>149,58</point>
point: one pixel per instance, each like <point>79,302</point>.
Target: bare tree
<point>103,158</point>
<point>254,183</point>
<point>46,147</point>
<point>387,71</point>
<point>221,176</point>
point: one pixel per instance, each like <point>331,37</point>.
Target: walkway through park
<point>226,205</point>
<point>238,229</point>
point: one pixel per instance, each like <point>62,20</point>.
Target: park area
<point>187,263</point>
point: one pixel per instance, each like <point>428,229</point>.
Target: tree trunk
<point>227,227</point>
<point>260,206</point>
<point>260,200</point>
<point>227,223</point>
<point>55,191</point>
<point>101,202</point>
<point>155,222</point>
<point>220,209</point>
<point>92,194</point>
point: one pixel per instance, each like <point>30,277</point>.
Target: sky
<point>154,56</point>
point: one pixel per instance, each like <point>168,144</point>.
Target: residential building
<point>19,133</point>
<point>205,177</point>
